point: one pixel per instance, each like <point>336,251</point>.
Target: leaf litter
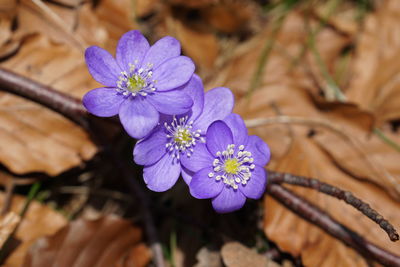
<point>310,132</point>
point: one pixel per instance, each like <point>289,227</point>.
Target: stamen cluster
<point>233,168</point>
<point>136,81</point>
<point>181,138</point>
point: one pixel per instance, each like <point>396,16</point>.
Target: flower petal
<point>218,103</point>
<point>199,159</point>
<point>131,47</point>
<point>173,73</point>
<point>103,102</point>
<point>149,150</point>
<point>138,117</point>
<point>102,66</point>
<point>172,102</point>
<point>259,150</point>
<point>162,175</point>
<point>218,137</point>
<point>238,128</point>
<point>203,186</point>
<point>228,200</point>
<point>195,89</point>
<point>255,187</point>
<point>186,175</point>
<point>164,49</point>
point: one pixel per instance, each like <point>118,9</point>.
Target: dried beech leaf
<point>8,223</point>
<point>78,27</point>
<point>208,258</point>
<point>108,241</point>
<point>39,220</point>
<point>376,82</point>
<point>235,254</point>
<point>35,139</point>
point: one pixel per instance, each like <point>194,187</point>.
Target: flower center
<point>182,139</point>
<point>233,166</point>
<point>183,136</point>
<point>138,81</point>
<point>135,83</point>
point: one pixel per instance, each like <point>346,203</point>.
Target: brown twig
<point>59,102</point>
<point>346,196</point>
<point>316,216</point>
<point>72,109</point>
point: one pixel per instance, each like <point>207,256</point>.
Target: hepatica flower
<point>176,138</point>
<point>229,167</point>
<point>140,83</point>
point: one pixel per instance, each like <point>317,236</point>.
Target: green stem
<point>386,139</point>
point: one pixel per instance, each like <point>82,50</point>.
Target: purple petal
<point>238,128</point>
<point>255,187</point>
<point>173,73</point>
<point>196,90</point>
<point>102,66</point>
<point>218,137</point>
<point>131,47</point>
<point>186,175</point>
<point>203,186</point>
<point>199,159</point>
<point>149,150</point>
<point>259,150</point>
<point>164,49</point>
<point>103,102</point>
<point>138,117</point>
<point>171,102</point>
<point>218,103</point>
<point>228,200</point>
<point>162,175</point>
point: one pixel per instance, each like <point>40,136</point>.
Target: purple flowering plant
<point>140,83</point>
<point>229,167</point>
<point>182,130</point>
<point>176,137</point>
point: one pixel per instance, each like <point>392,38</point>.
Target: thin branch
<point>346,196</point>
<point>59,102</point>
<point>316,216</point>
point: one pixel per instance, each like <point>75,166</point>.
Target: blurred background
<point>318,80</point>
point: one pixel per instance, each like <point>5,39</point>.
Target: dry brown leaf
<point>208,258</point>
<point>229,16</point>
<point>375,84</point>
<point>78,27</point>
<point>38,221</point>
<point>201,46</point>
<point>8,223</point>
<point>108,241</point>
<point>235,254</point>
<point>315,246</point>
<point>35,139</point>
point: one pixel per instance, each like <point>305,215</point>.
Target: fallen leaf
<point>108,241</point>
<point>208,258</point>
<point>8,223</point>
<point>375,83</point>
<point>235,254</point>
<point>39,220</point>
<point>35,139</point>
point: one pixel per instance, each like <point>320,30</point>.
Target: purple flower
<point>140,82</point>
<point>176,138</point>
<point>229,167</point>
